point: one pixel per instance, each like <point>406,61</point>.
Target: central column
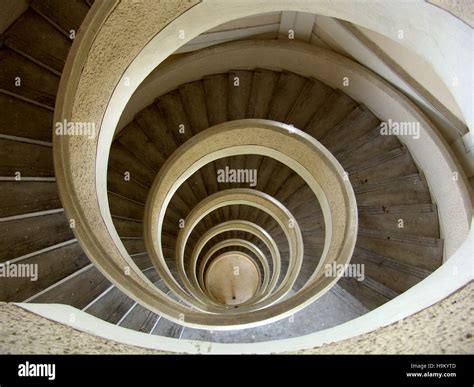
<point>232,279</point>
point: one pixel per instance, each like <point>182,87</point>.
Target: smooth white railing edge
<point>450,277</point>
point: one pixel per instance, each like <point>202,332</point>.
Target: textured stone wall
<point>446,327</point>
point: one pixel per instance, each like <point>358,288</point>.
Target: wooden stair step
<point>190,192</point>
<point>23,197</point>
<point>53,266</point>
<point>291,185</point>
<point>286,92</point>
<point>125,208</point>
<point>311,98</point>
<point>133,138</point>
<point>369,292</point>
<point>112,304</point>
<point>168,240</point>
<point>216,88</point>
<point>171,227</point>
<point>66,18</point>
<point>142,261</point>
<point>334,109</point>
<point>179,205</point>
<point>280,172</point>
<point>393,164</point>
<point>167,328</point>
<point>389,272</point>
<point>407,190</point>
<point>176,120</point>
<point>313,223</point>
<point>422,252</point>
<point>26,235</point>
<point>123,161</point>
<point>310,210</point>
<point>139,319</point>
<point>194,104</point>
<point>252,162</point>
<point>263,86</point>
<point>116,183</point>
<point>303,195</point>
<point>134,245</point>
<point>421,220</point>
<point>153,124</point>
<point>78,290</point>
<point>174,214</point>
<point>358,122</point>
<point>112,307</point>
<point>172,108</point>
<point>193,96</point>
<point>353,303</point>
<point>400,237</point>
<point>36,84</point>
<point>239,95</point>
<point>38,40</point>
<point>28,159</point>
<point>368,146</point>
<point>22,119</point>
<point>128,228</point>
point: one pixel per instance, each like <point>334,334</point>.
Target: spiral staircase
<point>235,197</point>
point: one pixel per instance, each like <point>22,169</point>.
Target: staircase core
<point>232,278</point>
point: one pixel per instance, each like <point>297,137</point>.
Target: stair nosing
<point>379,288</point>
<point>400,238</point>
<point>26,140</point>
<point>125,198</point>
<point>384,183</point>
<point>132,179</point>
<point>378,160</point>
<point>127,219</point>
<point>50,21</point>
<point>398,209</point>
<point>63,280</point>
<point>362,140</point>
<point>103,294</point>
<point>28,100</point>
<point>392,263</point>
<point>32,59</point>
<point>42,251</point>
<point>29,215</point>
